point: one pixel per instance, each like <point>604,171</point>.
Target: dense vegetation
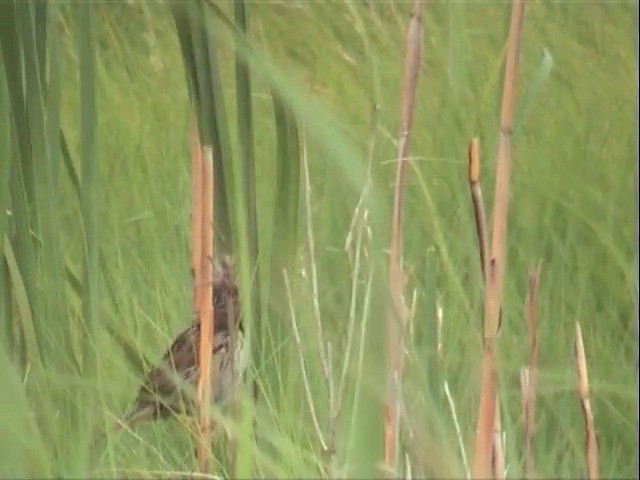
<point>106,258</point>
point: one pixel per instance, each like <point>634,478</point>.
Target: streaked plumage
<point>170,387</point>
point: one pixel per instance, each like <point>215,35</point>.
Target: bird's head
<point>225,294</point>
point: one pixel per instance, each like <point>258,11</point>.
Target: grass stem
<point>397,316</point>
<point>482,464</point>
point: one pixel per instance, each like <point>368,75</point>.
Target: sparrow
<point>169,388</point>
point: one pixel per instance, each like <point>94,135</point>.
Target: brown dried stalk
<point>528,375</point>
<point>483,247</point>
<point>590,444</point>
<point>196,212</point>
<point>202,264</point>
<point>482,463</point>
<point>478,205</point>
<point>397,316</point>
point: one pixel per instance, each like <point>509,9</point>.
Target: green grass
<point>570,212</point>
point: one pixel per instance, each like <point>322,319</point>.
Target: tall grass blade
<point>19,289</point>
<point>246,159</point>
<point>496,265</point>
<point>59,321</point>
<point>205,90</point>
<point>23,452</point>
<point>245,133</point>
<point>6,320</point>
<point>21,181</point>
<point>288,178</point>
<point>137,361</point>
<point>6,156</point>
<point>12,15</point>
<point>398,314</point>
<point>90,182</point>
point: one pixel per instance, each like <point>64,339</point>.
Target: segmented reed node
<point>496,265</point>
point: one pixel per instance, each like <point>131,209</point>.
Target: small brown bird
<point>169,388</point>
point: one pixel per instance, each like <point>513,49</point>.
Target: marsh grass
<point>104,274</point>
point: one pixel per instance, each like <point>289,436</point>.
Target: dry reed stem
<point>196,212</point>
<point>478,206</point>
<point>529,376</point>
<point>483,248</point>
<point>590,444</point>
<point>497,459</point>
<point>397,316</point>
<point>205,309</point>
<point>482,463</point>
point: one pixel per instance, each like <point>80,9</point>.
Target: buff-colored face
<point>225,292</point>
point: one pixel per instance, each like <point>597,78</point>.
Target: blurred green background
<point>571,212</point>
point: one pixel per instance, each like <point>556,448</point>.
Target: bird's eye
<point>218,299</point>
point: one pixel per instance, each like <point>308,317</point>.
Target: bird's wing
<point>178,365</point>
